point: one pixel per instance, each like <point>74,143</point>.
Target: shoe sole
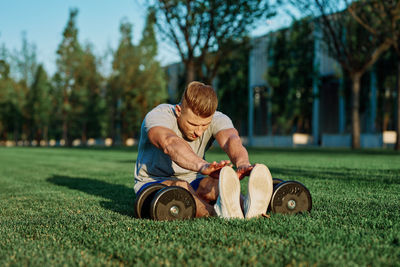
<point>260,187</point>
<point>229,185</point>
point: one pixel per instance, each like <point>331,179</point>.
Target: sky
<point>43,22</point>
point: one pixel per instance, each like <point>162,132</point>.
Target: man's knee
<point>208,189</point>
<point>179,183</point>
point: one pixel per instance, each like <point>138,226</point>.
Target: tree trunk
<point>65,130</point>
<point>190,71</point>
<point>397,146</point>
<point>112,124</point>
<point>355,114</point>
<point>65,117</point>
<point>46,133</point>
<point>84,134</point>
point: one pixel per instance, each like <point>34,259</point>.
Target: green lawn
<point>75,207</point>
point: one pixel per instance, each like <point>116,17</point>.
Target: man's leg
<point>260,187</point>
<point>228,202</point>
<point>207,190</point>
<point>203,209</point>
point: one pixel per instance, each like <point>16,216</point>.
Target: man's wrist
<point>243,164</point>
<point>202,165</point>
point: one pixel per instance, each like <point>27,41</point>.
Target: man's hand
<point>213,169</point>
<point>244,170</point>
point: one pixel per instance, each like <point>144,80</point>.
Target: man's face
<point>191,125</point>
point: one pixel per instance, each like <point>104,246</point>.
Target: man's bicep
<point>223,136</point>
<point>158,135</point>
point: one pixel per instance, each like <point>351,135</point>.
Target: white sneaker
<point>228,202</point>
<point>259,192</point>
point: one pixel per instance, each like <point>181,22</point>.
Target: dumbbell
<point>165,203</point>
<point>289,197</point>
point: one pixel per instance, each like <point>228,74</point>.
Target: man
<point>174,139</point>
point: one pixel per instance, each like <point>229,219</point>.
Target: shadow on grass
<point>121,198</point>
<point>340,175</point>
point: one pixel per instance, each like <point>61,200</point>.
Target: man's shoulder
<point>162,115</point>
<point>220,122</point>
<point>219,115</point>
<point>164,108</point>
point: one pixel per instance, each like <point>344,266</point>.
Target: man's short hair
<point>200,98</point>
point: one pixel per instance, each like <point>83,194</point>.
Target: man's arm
<point>231,143</point>
<point>180,152</point>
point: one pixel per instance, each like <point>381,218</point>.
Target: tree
<point>69,56</point>
<point>350,44</point>
<point>24,62</point>
<point>80,81</point>
<point>291,53</point>
<point>18,72</point>
<point>232,83</point>
<point>152,89</point>
<point>39,105</point>
<point>384,23</point>
<point>89,79</point>
<point>22,69</point>
<point>121,91</point>
<point>6,104</point>
<point>12,99</point>
<point>56,107</point>
<point>137,82</point>
<point>200,28</point>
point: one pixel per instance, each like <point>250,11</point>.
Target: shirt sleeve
<point>220,122</point>
<point>160,116</point>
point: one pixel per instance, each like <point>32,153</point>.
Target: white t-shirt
<point>153,164</point>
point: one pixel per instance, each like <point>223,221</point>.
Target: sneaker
<point>228,202</point>
<point>259,192</point>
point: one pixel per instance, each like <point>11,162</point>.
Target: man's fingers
<point>244,171</point>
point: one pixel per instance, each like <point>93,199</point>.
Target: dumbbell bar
<point>289,197</point>
<point>165,203</point>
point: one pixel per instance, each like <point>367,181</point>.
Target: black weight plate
<point>173,203</point>
<point>290,197</point>
<point>143,200</point>
<point>276,181</point>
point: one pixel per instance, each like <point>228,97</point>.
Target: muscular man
<point>174,139</point>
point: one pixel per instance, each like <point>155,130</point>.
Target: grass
<point>75,207</point>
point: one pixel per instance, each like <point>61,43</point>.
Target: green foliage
<point>78,83</point>
<point>17,73</point>
<point>233,82</point>
<point>90,79</point>
<point>10,104</point>
<point>76,208</point>
<point>69,55</point>
<point>356,46</point>
<point>386,69</point>
<point>38,106</point>
<point>121,87</point>
<point>290,73</point>
<point>199,29</point>
<point>137,83</point>
<point>24,63</point>
<point>153,85</point>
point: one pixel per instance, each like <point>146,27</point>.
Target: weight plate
<point>143,200</point>
<point>290,197</point>
<point>276,181</point>
<point>173,203</point>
